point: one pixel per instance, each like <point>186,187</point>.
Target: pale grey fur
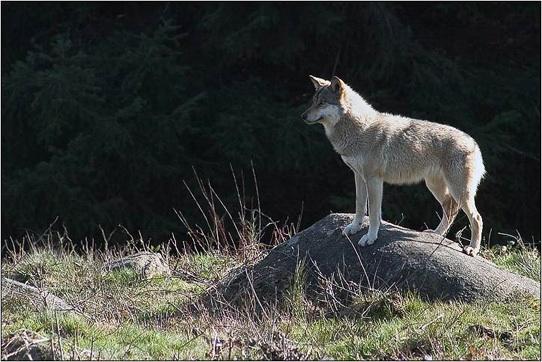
<point>381,147</point>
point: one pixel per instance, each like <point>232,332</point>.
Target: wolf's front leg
<point>374,190</point>
<point>361,206</point>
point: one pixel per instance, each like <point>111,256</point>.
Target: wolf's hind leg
<point>476,226</point>
<point>462,185</point>
<point>450,207</point>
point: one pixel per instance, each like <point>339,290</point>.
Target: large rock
<point>424,262</point>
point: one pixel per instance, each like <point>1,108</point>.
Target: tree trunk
<point>423,262</point>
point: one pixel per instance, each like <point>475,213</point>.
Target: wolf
<point>382,147</point>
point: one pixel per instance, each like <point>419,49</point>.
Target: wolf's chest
<point>354,162</point>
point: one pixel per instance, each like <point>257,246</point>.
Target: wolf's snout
<point>304,116</point>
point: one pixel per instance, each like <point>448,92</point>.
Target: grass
<point>439,330</point>
<point>521,259</point>
<point>122,316</point>
<point>126,317</point>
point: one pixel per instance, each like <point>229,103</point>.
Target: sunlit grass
<point>127,317</point>
<point>121,315</point>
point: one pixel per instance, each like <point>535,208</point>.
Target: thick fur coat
<point>381,147</point>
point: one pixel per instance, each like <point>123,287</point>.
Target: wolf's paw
<point>367,239</point>
<point>470,251</point>
<point>352,228</point>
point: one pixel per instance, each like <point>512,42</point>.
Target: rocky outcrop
<point>403,259</point>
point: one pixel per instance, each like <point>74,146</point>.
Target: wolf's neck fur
<point>357,107</point>
<point>344,133</point>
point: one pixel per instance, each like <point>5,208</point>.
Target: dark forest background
<point>108,107</point>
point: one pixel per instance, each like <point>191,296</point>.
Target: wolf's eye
<point>321,103</point>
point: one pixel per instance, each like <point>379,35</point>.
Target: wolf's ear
<point>337,85</point>
<point>318,82</point>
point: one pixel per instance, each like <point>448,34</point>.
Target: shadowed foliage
<point>107,107</point>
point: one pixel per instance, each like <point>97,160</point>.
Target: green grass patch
<point>440,330</point>
<point>135,318</point>
<point>44,267</point>
<point>123,341</point>
<point>523,261</point>
<point>208,266</point>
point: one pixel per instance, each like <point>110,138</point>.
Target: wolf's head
<point>326,102</point>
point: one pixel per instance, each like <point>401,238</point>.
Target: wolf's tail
<point>479,168</point>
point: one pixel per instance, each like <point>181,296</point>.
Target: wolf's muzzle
<point>306,120</point>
